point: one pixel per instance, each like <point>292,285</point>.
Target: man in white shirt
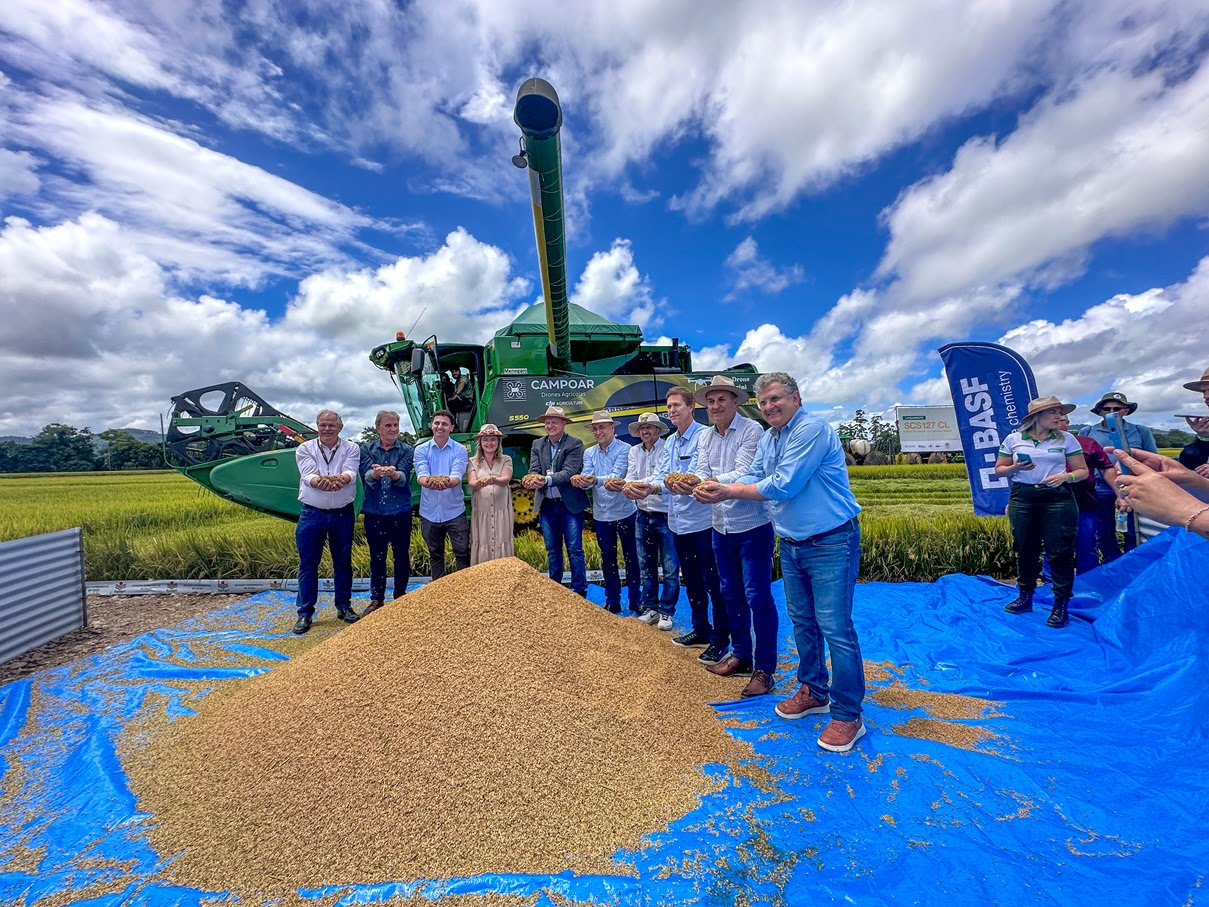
<point>655,540</point>
<point>742,538</point>
<point>440,466</point>
<point>327,487</point>
<point>614,514</point>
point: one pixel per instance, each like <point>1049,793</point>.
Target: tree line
<point>65,448</point>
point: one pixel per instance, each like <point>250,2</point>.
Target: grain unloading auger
<point>555,353</point>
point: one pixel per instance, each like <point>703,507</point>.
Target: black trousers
<point>457,531</point>
<point>700,569</point>
<point>1046,518</point>
<point>383,532</point>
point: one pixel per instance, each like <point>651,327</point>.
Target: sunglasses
<point>1114,409</point>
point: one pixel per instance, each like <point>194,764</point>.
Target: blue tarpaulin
<point>1092,789</point>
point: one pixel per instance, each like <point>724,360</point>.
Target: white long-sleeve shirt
<point>316,460</point>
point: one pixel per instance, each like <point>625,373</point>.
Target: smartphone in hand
<point>1118,425</point>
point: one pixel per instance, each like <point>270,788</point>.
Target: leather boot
<point>374,605</point>
<point>1057,617</point>
<point>1023,602</point>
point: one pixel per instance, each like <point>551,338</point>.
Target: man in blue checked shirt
<point>440,467</point>
<point>799,470</point>
<point>691,525</point>
<point>615,515</point>
<point>742,538</point>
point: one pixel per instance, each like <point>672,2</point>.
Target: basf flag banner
<point>991,387</point>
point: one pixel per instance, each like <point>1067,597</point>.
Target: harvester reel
<point>524,509</point>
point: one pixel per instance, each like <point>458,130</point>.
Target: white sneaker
<point>665,622</point>
<point>649,616</point>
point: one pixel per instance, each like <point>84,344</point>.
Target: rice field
<point>917,524</point>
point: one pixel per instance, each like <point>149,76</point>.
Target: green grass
<point>917,524</point>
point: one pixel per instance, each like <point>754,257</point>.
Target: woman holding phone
<point>1043,462</point>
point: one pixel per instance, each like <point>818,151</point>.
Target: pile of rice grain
<point>492,721</point>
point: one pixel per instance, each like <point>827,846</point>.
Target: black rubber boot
<point>1023,602</point>
<point>1057,617</point>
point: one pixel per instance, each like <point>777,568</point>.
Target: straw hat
<point>648,419</point>
<point>1040,405</point>
<point>489,429</point>
<point>555,412</point>
<point>1115,397</point>
<point>603,417</point>
<point>720,383</point>
<point>1199,386</point>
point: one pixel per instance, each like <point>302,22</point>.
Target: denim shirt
<point>1139,436</point>
<point>800,469</point>
<point>609,463</point>
<point>387,497</point>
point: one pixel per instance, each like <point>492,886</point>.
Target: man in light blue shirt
<point>656,544</point>
<point>799,469</point>
<point>440,466</point>
<point>615,515</point>
<point>691,522</point>
<point>1139,437</point>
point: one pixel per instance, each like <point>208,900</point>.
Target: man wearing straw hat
<point>614,515</point>
<point>1139,438</point>
<point>1196,455</point>
<point>742,537</point>
<point>553,460</point>
<point>655,541</point>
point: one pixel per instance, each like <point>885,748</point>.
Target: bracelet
<point>1072,477</point>
<point>1188,522</point>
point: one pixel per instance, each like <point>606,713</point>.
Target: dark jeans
<point>1044,518</point>
<point>658,546</point>
<point>382,532</point>
<point>317,527</point>
<point>696,553</point>
<point>607,534</point>
<point>562,527</point>
<point>434,534</point>
<point>820,581</point>
<point>745,575</point>
<point>1106,527</point>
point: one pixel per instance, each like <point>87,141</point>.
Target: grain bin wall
<point>41,590</point>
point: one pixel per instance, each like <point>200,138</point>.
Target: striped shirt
<point>643,463</point>
<point>609,463</point>
<point>726,457</point>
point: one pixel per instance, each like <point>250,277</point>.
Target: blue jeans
<point>560,526</point>
<point>745,575</point>
<point>657,546</point>
<point>1086,556</point>
<point>317,527</point>
<point>696,553</point>
<point>607,534</point>
<point>382,532</point>
<point>820,579</point>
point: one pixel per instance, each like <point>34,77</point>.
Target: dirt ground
<point>113,619</point>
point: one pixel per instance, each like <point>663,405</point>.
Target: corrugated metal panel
<point>41,590</point>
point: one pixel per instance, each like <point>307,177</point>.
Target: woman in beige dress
<point>488,475</point>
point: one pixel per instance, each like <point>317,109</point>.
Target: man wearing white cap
<point>655,541</point>
<point>742,538</point>
<point>553,460</point>
<point>614,515</point>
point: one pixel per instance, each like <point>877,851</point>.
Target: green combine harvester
<point>228,439</point>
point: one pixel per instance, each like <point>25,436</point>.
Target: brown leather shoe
<point>802,704</point>
<point>761,684</point>
<point>730,666</point>
<point>839,736</point>
<point>374,605</point>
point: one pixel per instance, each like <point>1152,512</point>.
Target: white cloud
<point>751,270</point>
<point>17,176</point>
<point>1107,157</point>
<point>612,286</point>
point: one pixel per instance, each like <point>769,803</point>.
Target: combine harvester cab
<point>554,353</point>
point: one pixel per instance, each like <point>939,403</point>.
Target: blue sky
<point>264,191</point>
